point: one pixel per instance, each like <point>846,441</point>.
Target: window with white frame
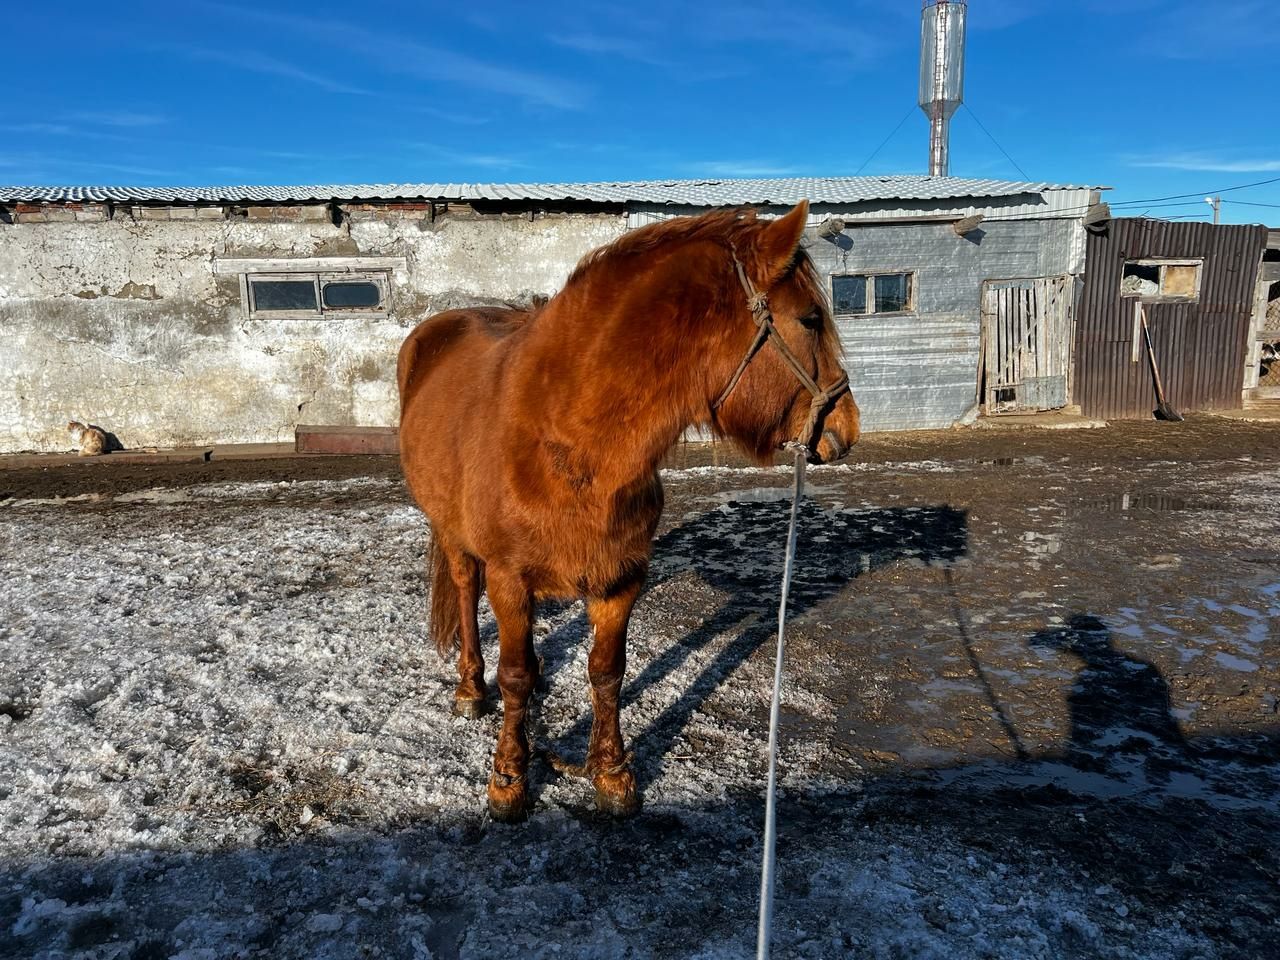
<point>869,294</point>
<point>1160,279</point>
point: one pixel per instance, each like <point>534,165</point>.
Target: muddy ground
<point>1032,710</point>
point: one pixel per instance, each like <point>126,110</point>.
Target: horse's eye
<point>813,319</point>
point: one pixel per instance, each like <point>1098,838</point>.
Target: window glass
<point>893,292</point>
<point>849,294</point>
<point>284,295</point>
<point>352,294</point>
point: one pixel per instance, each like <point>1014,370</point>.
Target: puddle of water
<point>1139,502</point>
<point>53,501</point>
<point>1008,461</point>
<point>765,494</point>
<point>1232,662</point>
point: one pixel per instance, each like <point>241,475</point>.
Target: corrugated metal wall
<point>1199,346</point>
<point>919,370</point>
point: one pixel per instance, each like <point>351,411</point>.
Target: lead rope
<point>770,812</point>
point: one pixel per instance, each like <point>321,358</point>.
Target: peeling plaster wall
<point>124,324</point>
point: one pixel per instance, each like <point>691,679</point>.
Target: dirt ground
<point>1032,709</point>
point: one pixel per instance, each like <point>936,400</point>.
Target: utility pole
<point>1216,203</point>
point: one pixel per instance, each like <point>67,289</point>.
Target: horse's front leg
<point>607,762</point>
<point>517,671</point>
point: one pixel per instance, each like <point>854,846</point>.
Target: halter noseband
<point>766,330</point>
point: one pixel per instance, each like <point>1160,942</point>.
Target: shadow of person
<point>737,550</point>
<point>1119,704</point>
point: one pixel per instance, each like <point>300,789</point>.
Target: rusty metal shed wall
<point>1199,346</point>
<point>919,370</point>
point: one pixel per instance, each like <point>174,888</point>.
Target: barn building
<point>190,316</point>
<point>1202,291</point>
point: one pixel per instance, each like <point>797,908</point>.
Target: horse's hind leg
<point>469,697</point>
<point>607,763</point>
<point>517,672</point>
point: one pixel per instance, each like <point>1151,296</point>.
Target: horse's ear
<point>777,241</point>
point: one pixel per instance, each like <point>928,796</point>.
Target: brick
<point>152,213</point>
<point>210,213</point>
<point>40,217</point>
<point>260,213</point>
<point>182,213</point>
<point>313,213</point>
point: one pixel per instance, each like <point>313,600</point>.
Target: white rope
<point>770,813</point>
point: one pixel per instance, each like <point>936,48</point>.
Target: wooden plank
<point>378,441</point>
<point>307,264</point>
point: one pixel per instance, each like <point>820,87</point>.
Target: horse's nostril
<point>838,447</point>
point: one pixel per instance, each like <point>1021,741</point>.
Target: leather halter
<point>766,330</point>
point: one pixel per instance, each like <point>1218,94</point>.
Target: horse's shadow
<point>737,549</point>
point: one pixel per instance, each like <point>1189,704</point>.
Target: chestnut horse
<point>532,439</point>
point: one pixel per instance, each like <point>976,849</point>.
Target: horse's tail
<point>445,616</point>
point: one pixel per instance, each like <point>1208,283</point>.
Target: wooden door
<point>1026,344</point>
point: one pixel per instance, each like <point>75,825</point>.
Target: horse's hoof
<point>616,794</point>
<point>508,802</point>
<point>472,709</point>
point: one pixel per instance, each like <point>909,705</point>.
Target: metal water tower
<point>942,28</point>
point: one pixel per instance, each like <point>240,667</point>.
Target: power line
<point>1025,175</point>
<point>1200,193</point>
<point>1253,203</point>
<point>885,142</point>
<point>1152,204</point>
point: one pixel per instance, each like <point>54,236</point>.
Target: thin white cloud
<point>120,118</point>
<point>600,44</point>
<point>1206,163</point>
<point>451,116</point>
<point>65,168</point>
<point>395,54</point>
<point>56,129</point>
<point>1214,31</point>
<point>743,168</point>
<point>464,159</point>
<point>253,62</point>
<point>689,70</point>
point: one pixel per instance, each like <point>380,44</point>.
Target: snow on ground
<point>222,735</point>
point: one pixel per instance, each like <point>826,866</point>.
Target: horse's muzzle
<point>837,448</point>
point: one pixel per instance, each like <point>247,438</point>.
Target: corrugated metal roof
<point>702,193</point>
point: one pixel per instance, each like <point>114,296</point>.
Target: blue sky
<point>1152,97</point>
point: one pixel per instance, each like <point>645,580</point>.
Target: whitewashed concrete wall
<point>123,322</point>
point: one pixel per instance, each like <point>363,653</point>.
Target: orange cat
<point>91,440</point>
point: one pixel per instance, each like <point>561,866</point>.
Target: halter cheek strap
<point>766,330</point>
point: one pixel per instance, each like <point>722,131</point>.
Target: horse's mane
<point>725,226</point>
<point>722,225</point>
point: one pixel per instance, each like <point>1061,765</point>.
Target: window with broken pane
<point>1157,280</point>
